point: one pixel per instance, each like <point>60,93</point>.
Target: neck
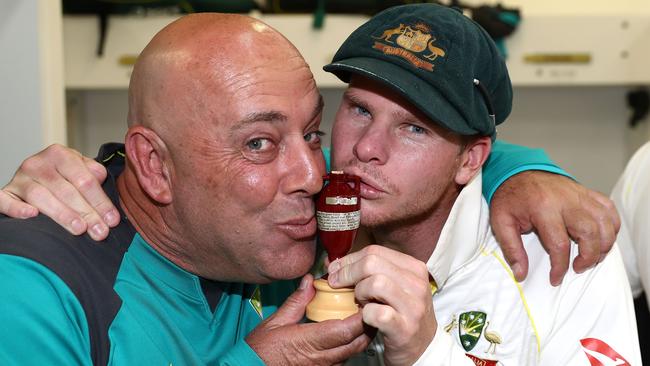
<point>417,236</point>
<point>149,220</point>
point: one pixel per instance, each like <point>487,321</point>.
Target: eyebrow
<point>355,99</point>
<point>273,116</point>
<point>266,116</point>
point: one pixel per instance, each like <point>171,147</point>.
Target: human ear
<point>147,155</point>
<point>472,159</point>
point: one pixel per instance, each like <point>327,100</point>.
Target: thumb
<point>293,309</point>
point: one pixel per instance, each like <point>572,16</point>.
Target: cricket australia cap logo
<point>414,43</point>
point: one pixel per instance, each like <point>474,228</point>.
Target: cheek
<point>344,137</point>
<point>253,188</point>
<point>416,169</point>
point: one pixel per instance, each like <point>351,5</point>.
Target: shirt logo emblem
<point>256,302</point>
<point>600,353</point>
<point>470,327</point>
<point>412,41</point>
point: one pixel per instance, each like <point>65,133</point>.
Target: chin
<point>296,262</point>
<point>375,219</point>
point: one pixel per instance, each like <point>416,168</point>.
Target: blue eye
<point>314,137</point>
<point>258,144</point>
<point>416,129</point>
<point>362,111</point>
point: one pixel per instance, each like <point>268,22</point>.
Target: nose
<point>306,168</point>
<point>371,147</point>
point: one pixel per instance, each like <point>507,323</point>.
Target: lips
<point>299,228</point>
<point>370,192</point>
<point>369,188</point>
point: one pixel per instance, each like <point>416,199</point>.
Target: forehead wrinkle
<point>247,77</point>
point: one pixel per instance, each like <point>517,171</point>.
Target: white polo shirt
<point>486,318</point>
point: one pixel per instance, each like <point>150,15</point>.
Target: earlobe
<point>472,159</point>
<point>147,155</point>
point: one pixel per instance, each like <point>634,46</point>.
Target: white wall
<point>584,129</point>
<point>31,69</point>
<point>573,7</point>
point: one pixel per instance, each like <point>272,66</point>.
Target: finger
<point>382,317</point>
<point>377,262</point>
<point>610,207</point>
<point>96,196</point>
<point>13,206</point>
<point>399,259</point>
<point>508,233</point>
<point>293,309</point>
<point>610,221</point>
<point>340,354</point>
<point>407,297</point>
<point>336,342</point>
<point>55,209</point>
<point>43,172</point>
<point>552,232</point>
<point>91,199</point>
<point>69,197</point>
<point>594,234</point>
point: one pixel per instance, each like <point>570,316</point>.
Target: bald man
<point>250,194</point>
<point>216,199</point>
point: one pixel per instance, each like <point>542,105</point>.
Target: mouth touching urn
<point>338,214</point>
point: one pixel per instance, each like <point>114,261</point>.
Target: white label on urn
<point>338,221</point>
<point>345,201</point>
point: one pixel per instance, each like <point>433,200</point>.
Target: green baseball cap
<point>438,59</point>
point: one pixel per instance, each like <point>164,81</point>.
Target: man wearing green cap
<point>426,89</point>
<point>411,179</point>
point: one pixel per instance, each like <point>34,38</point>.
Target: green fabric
<point>41,321</point>
<point>432,55</point>
<point>164,318</point>
<point>505,161</point>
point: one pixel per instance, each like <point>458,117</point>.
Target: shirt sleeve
<point>41,321</point>
<point>507,160</point>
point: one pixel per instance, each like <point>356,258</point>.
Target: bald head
<point>194,57</point>
<point>223,119</point>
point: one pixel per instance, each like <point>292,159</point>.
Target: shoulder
<point>72,271</point>
<point>37,306</point>
<point>42,240</point>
